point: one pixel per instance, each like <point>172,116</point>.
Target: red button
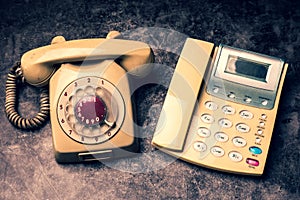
<point>90,110</point>
<point>252,162</point>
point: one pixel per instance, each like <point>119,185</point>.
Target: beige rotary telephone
<point>90,100</point>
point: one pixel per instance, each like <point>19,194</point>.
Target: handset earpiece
<point>38,65</point>
<point>38,75</point>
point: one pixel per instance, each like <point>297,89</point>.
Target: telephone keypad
<point>228,131</point>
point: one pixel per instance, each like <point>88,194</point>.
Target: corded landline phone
<point>90,100</point>
<point>219,111</point>
<point>220,107</point>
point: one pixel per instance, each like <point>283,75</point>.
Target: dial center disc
<point>90,110</point>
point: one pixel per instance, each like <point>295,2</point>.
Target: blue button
<point>255,150</point>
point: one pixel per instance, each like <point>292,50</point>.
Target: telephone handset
<point>38,65</point>
<point>220,107</point>
<point>90,100</point>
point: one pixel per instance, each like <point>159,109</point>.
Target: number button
<point>200,146</point>
<point>225,123</point>
<point>203,132</point>
<point>211,105</point>
<point>221,137</point>
<point>207,118</point>
<point>217,151</point>
<point>228,110</point>
<point>245,114</point>
<point>235,156</point>
<point>239,142</point>
<point>242,128</point>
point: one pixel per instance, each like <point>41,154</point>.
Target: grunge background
<point>27,166</point>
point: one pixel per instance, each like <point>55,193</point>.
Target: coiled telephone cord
<point>13,79</point>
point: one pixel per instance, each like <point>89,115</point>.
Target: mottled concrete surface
<point>27,166</point>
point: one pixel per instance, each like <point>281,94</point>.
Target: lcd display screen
<point>247,68</point>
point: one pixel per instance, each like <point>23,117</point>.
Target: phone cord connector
<point>13,79</point>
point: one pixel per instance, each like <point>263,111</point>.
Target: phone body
<point>91,112</point>
<point>221,107</point>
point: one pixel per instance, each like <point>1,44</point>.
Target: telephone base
<point>92,114</point>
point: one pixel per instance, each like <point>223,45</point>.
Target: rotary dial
<point>90,110</point>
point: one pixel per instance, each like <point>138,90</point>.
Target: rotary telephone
<point>90,101</point>
<point>220,107</point>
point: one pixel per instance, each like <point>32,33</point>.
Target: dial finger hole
<point>96,131</point>
<point>79,93</point>
<point>86,131</point>
<point>99,92</point>
<point>89,90</point>
<point>72,100</point>
<point>78,127</point>
<point>71,119</point>
<point>70,109</point>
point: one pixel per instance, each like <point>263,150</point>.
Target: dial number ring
<point>90,110</point>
